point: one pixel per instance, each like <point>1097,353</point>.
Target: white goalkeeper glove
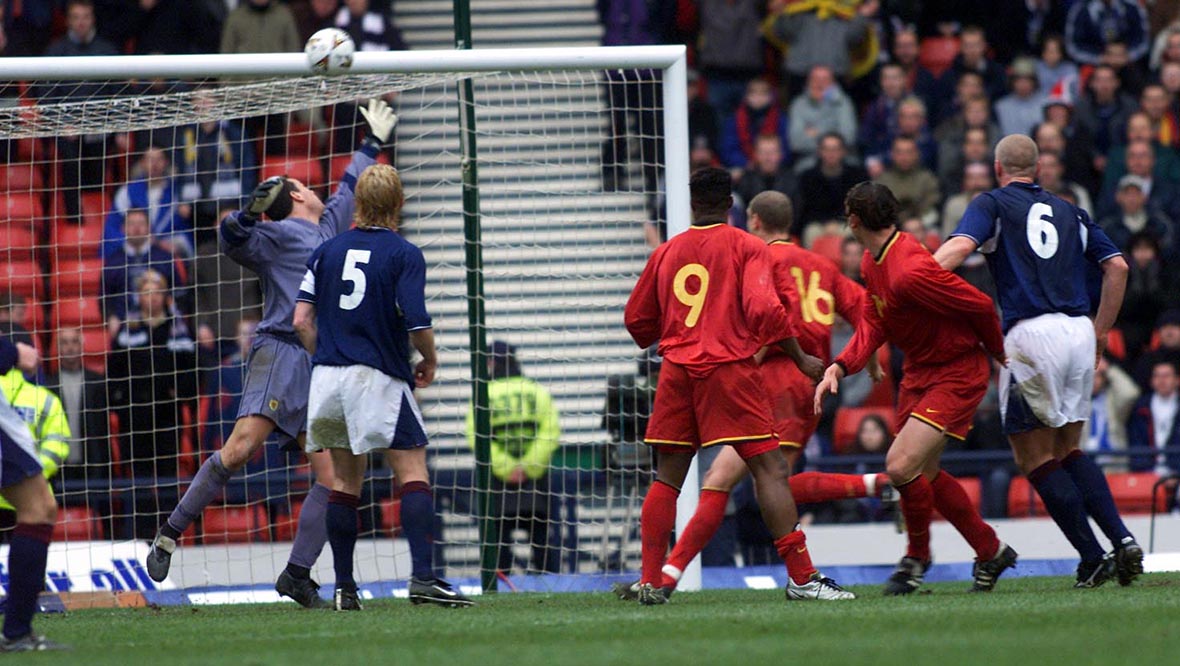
<point>381,120</point>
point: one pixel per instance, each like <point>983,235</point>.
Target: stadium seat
<point>17,242</point>
<point>340,162</point>
<point>17,206</point>
<point>1132,492</point>
<point>234,524</point>
<point>77,523</point>
<point>848,422</point>
<point>1116,344</point>
<point>391,521</point>
<point>1023,500</point>
<point>72,242</point>
<point>974,489</point>
<point>75,312</point>
<point>830,246</point>
<point>23,278</point>
<point>21,177</point>
<point>284,524</point>
<point>300,138</point>
<point>937,53</point>
<point>306,170</point>
<point>80,277</point>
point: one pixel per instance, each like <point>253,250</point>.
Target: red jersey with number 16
<point>708,297</point>
<point>818,291</point>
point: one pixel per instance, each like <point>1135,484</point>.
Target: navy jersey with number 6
<point>368,289</point>
<point>1038,247</point>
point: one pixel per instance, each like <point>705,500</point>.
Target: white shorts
<point>361,408</point>
<point>1050,373</point>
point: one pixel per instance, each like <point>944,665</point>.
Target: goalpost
<point>578,150</point>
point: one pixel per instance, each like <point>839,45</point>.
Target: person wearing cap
<point>525,435</point>
<point>1167,329</point>
<point>1134,215</point>
<point>1018,111</point>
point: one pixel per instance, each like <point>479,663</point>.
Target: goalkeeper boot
<point>437,591</point>
<point>1094,574</point>
<point>907,577</point>
<point>304,591</point>
<point>626,591</point>
<point>1128,559</point>
<point>987,573</point>
<point>159,558</point>
<point>652,596</point>
<point>30,643</point>
<point>347,600</point>
<point>818,588</point>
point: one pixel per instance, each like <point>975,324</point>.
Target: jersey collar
<point>779,241</point>
<point>888,245</point>
<point>706,226</point>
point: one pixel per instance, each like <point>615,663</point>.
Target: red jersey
<point>708,297</point>
<point>930,313</point>
<point>818,290</point>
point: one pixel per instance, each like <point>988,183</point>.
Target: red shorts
<point>726,405</point>
<point>792,396</point>
<point>944,396</point>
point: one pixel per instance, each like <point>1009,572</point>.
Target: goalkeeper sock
<point>811,487</point>
<point>312,531</point>
<point>417,514</point>
<point>206,486</point>
<point>26,570</point>
<point>342,531</point>
<point>792,547</point>
<point>953,503</point>
<point>917,505</point>
<point>656,523</point>
<point>701,528</point>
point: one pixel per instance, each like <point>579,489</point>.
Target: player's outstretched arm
<point>305,325</point>
<point>954,252</point>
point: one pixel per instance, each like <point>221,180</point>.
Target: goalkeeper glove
<point>261,198</point>
<point>381,120</point>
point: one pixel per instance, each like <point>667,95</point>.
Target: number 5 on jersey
<point>695,300</point>
<point>353,273</point>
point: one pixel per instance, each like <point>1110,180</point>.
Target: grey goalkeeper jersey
<point>278,251</point>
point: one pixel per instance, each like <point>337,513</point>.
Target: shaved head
<point>1016,156</point>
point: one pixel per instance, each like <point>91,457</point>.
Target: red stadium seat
<point>1023,500</point>
<point>848,423</point>
<point>234,524</point>
<point>17,242</point>
<point>70,312</point>
<point>23,278</point>
<point>21,177</point>
<point>391,520</point>
<point>1116,344</point>
<point>81,277</point>
<point>283,527</point>
<point>77,523</point>
<point>306,170</point>
<point>72,242</point>
<point>937,53</point>
<point>340,162</point>
<point>300,138</point>
<point>830,246</point>
<point>1132,492</point>
<point>18,206</point>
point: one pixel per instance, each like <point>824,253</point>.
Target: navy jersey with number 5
<point>1038,247</point>
<point>368,289</point>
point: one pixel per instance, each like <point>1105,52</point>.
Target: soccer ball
<point>329,51</point>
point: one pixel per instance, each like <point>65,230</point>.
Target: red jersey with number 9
<point>818,291</point>
<point>708,297</point>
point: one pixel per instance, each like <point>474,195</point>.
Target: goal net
<point>107,183</point>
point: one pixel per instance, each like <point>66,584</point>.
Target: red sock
<point>954,505</point>
<point>917,505</point>
<point>792,548</point>
<point>809,487</point>
<point>701,528</point>
<point>656,523</point>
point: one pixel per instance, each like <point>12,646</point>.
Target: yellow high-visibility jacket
<point>43,412</point>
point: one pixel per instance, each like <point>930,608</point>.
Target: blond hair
<point>379,197</point>
<point>151,276</point>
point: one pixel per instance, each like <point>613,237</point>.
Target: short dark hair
<point>774,209</point>
<point>136,211</point>
<point>282,206</point>
<point>832,135</point>
<point>874,204</point>
<point>710,189</point>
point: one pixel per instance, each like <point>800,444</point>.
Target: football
<point>329,51</point>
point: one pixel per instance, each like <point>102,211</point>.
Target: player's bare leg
<point>1098,501</point>
<point>36,513</point>
<point>658,519</point>
<point>342,523</point>
<point>311,534</point>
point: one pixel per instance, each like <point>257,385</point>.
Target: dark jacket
<point>94,450</point>
<point>1141,433</point>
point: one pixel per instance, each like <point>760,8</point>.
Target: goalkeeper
<point>41,409</point>
<point>275,391</point>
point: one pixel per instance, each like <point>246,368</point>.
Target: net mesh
<point>569,182</point>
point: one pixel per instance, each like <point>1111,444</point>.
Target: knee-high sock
<point>26,576</point>
<point>792,547</point>
<point>810,487</point>
<point>342,530</point>
<point>1096,497</point>
<point>417,509</point>
<point>917,505</point>
<point>312,532</point>
<point>953,503</point>
<point>206,486</point>
<point>1064,503</point>
<point>701,528</point>
<point>656,523</point>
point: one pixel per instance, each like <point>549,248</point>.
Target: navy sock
<point>26,570</point>
<point>206,486</point>
<point>417,522</point>
<point>1091,482</point>
<point>312,532</point>
<point>1064,503</point>
<point>342,530</point>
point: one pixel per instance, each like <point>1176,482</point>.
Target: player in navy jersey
<point>1039,249</point>
<point>361,305</point>
<point>274,395</point>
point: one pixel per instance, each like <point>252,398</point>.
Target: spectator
<point>703,122</point>
<point>1019,111</point>
<point>1053,68</point>
<point>822,107</point>
<point>880,119</point>
<point>162,26</point>
<point>973,58</point>
<point>975,148</point>
<point>919,80</point>
<point>1156,103</point>
<point>976,179</point>
<point>224,388</point>
<point>122,269</point>
<point>767,173</point>
<point>1051,177</point>
<point>1092,24</point>
<point>872,437</point>
<point>151,371</point>
<point>1135,216</point>
<point>851,252</point>
<point>1111,401</point>
<point>1166,47</point>
<point>83,395</point>
<point>1150,290</point>
<point>729,49</point>
<point>1167,328</point>
<point>822,187</point>
<point>525,435</point>
<point>82,157</point>
<point>915,187</point>
<point>1162,194</point>
<point>371,29</point>
<point>1165,163</point>
<point>25,33</point>
<point>758,114</point>
<point>1076,148</point>
<point>911,123</point>
<point>154,191</point>
<point>262,26</point>
<point>1130,73</point>
<point>815,38</point>
<point>1170,80</point>
<point>13,313</point>
<point>952,133</point>
<point>1103,110</point>
<point>311,16</point>
<point>1153,423</point>
<point>225,291</point>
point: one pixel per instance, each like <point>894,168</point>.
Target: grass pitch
<point>1039,621</point>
